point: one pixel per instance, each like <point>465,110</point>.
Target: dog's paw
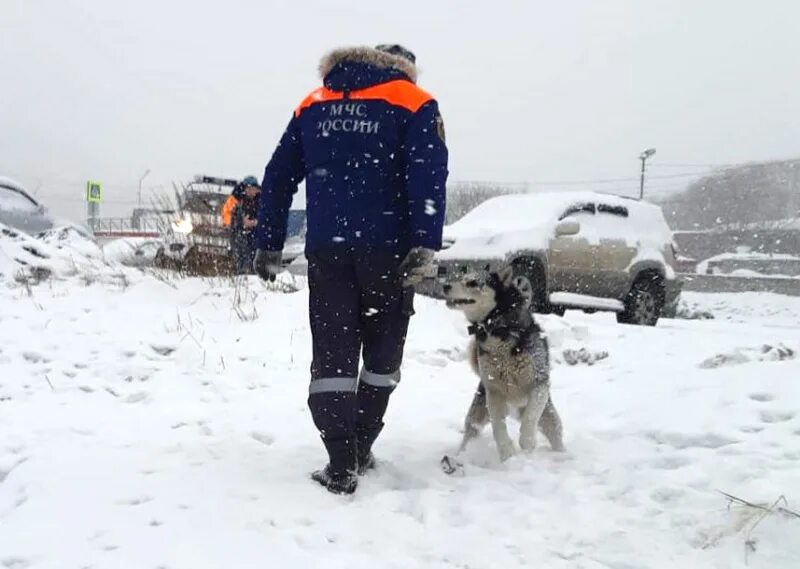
<point>527,443</point>
<point>505,452</point>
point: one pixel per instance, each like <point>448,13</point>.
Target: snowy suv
<point>585,250</point>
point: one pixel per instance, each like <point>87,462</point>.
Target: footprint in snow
<point>136,397</point>
<point>15,563</point>
<point>162,350</point>
<point>666,495</point>
<point>433,360</point>
<point>138,501</point>
<point>762,397</point>
<point>776,416</point>
<point>670,462</point>
<point>34,357</point>
<point>682,441</point>
<point>453,354</point>
<point>263,438</point>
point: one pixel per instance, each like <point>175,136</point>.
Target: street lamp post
<point>146,172</point>
<point>643,157</point>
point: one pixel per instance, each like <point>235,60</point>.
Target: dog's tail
<point>472,356</point>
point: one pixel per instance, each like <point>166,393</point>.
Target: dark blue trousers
<point>359,311</point>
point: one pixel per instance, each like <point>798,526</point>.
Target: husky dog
<point>510,356</point>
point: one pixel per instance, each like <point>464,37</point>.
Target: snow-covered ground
<point>163,424</point>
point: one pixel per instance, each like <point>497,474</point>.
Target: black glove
<point>267,264</point>
<point>413,268</point>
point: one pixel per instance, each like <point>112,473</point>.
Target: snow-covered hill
<point>164,424</point>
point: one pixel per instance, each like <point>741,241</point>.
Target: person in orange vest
<point>230,204</point>
<point>239,213</point>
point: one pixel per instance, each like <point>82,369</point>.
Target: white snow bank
<point>763,308</point>
<point>132,251</point>
<point>763,353</point>
<point>750,261</point>
<point>749,273</point>
<point>753,256</point>
<point>60,253</point>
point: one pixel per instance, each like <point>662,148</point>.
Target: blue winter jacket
<point>370,146</point>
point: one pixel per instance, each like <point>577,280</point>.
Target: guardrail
<point>125,226</point>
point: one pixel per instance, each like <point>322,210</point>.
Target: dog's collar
<point>478,330</point>
<point>481,330</point>
<point>485,328</point>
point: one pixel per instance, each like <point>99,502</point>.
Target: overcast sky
<point>531,91</point>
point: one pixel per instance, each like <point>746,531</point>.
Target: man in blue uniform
<point>370,145</point>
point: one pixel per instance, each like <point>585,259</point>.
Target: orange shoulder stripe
<point>400,93</point>
<point>320,95</point>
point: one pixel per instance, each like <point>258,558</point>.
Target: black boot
<point>366,462</point>
<point>334,415</point>
<point>337,483</point>
<point>372,403</point>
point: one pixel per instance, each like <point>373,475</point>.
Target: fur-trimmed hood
<point>351,68</point>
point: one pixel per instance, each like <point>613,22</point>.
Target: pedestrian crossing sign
<point>94,192</point>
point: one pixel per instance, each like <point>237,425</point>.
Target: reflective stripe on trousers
<point>350,384</point>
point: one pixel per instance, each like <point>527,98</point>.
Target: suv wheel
<point>644,303</point>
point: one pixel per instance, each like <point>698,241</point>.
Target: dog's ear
<point>505,275</point>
